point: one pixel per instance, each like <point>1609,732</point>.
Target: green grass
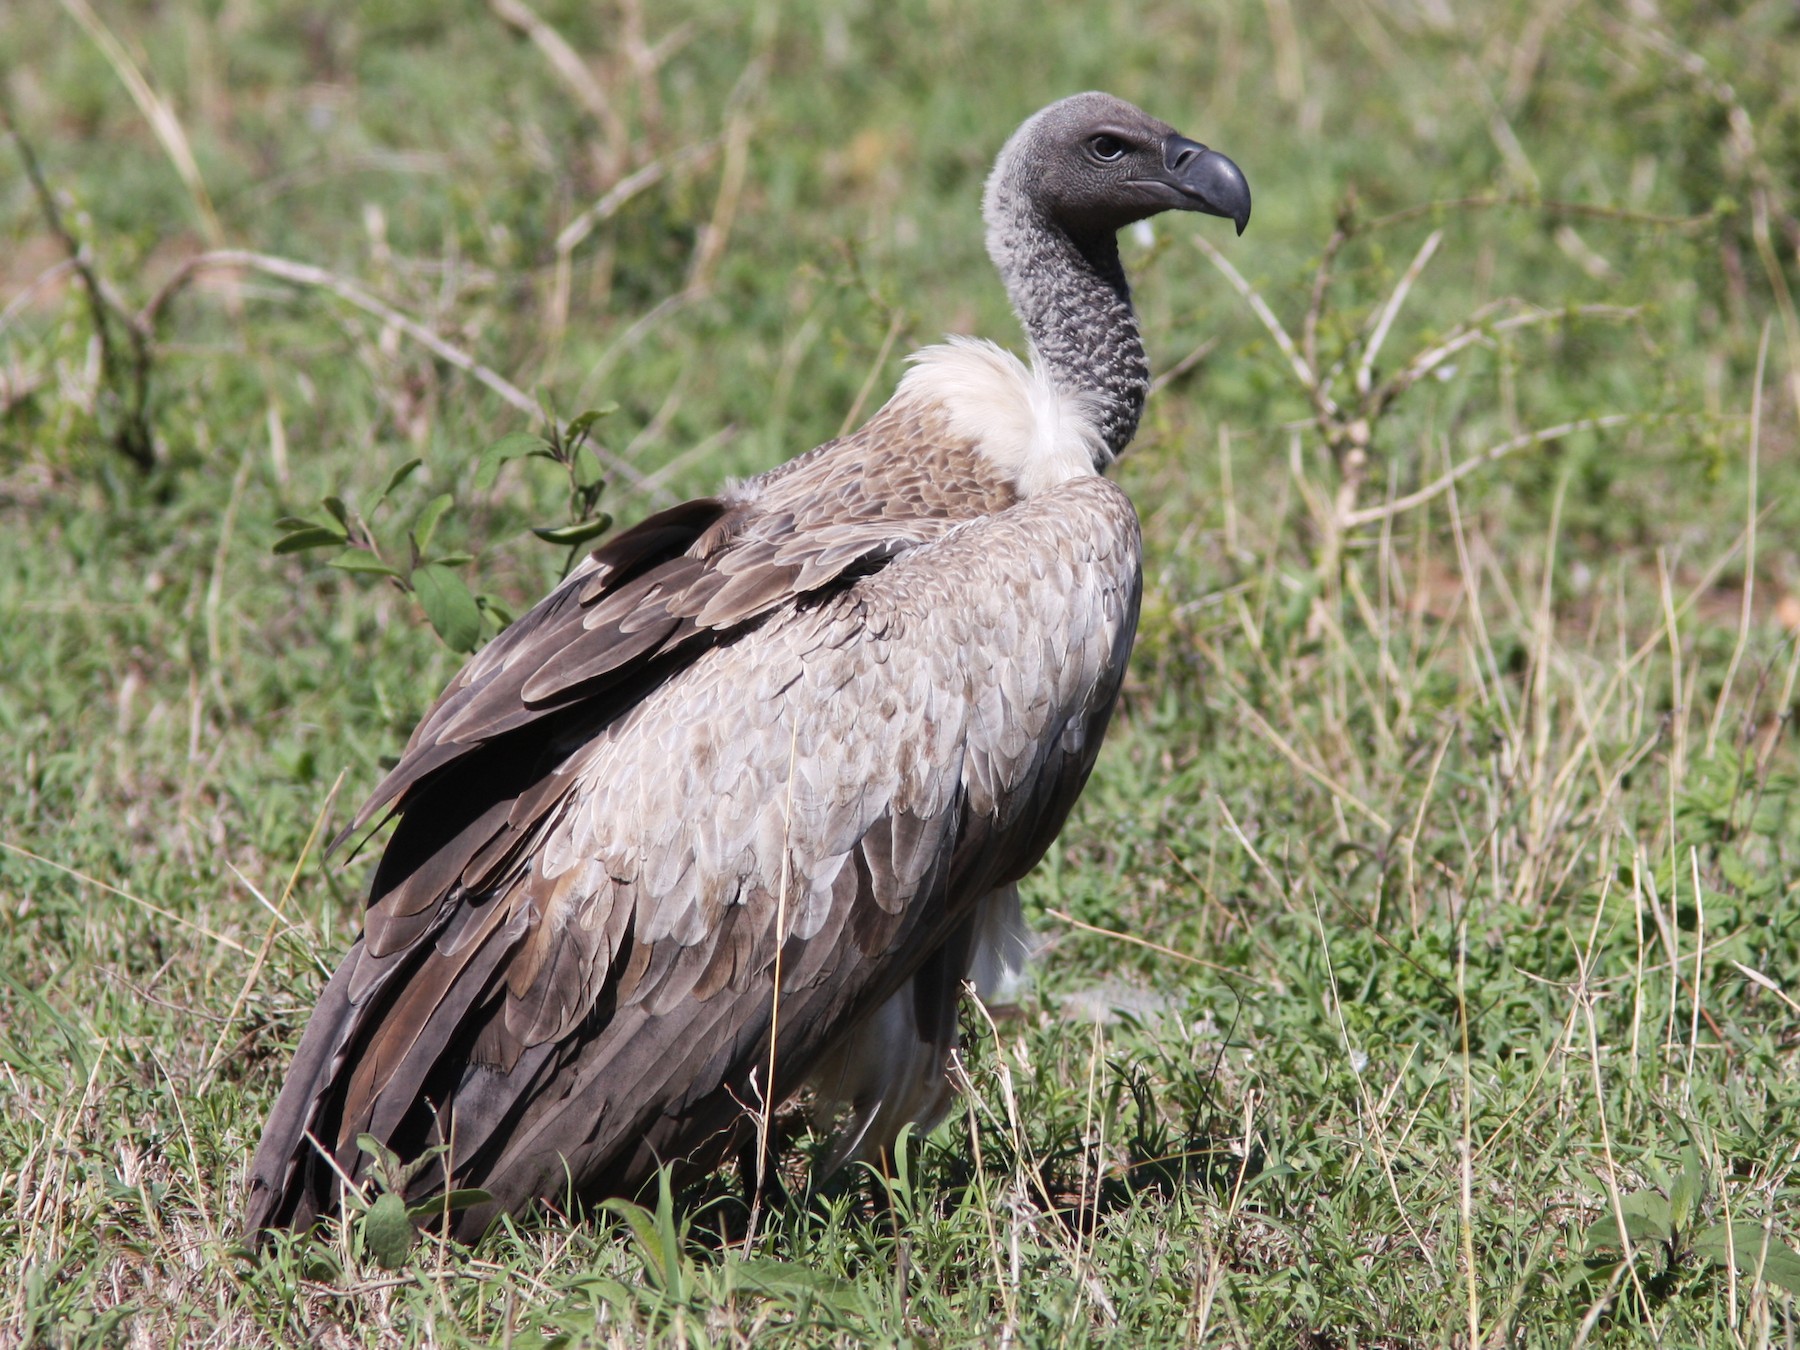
<point>1439,884</point>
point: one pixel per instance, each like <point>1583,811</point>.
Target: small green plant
<point>683,1281</point>
<point>457,613</point>
<point>1668,1226</point>
<point>386,1224</point>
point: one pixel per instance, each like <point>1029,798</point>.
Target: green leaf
<point>427,524</point>
<point>611,1291</point>
<point>77,1041</point>
<point>495,610</point>
<point>320,1263</point>
<point>767,1275</point>
<point>580,426</point>
<point>361,560</point>
<point>578,533</point>
<point>671,1237</point>
<point>1269,1176</point>
<point>1299,607</point>
<point>1782,1268</point>
<point>387,1162</point>
<point>1591,1271</point>
<point>339,512</point>
<point>453,559</point>
<point>644,1237</point>
<point>400,475</point>
<point>1648,1213</point>
<point>515,446</point>
<point>590,473</point>
<point>316,536</point>
<point>466,1197</point>
<point>1741,1245</point>
<point>300,523</point>
<point>402,1177</point>
<point>1602,1234</point>
<point>1688,1190</point>
<point>449,606</point>
<point>899,1182</point>
<point>1640,1226</point>
<point>387,1232</point>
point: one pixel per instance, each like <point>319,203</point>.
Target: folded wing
<point>742,739</point>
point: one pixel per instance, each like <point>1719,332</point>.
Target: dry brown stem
<point>305,274</point>
<point>124,377</point>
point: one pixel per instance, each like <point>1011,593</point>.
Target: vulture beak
<point>1210,182</point>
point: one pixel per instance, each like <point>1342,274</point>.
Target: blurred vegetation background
<point>1435,904</point>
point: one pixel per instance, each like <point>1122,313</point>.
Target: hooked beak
<point>1207,180</point>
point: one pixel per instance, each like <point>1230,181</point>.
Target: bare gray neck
<point>1075,304</point>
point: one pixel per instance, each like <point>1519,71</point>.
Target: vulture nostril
<point>1179,152</point>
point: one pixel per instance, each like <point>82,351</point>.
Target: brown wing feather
<point>572,935</point>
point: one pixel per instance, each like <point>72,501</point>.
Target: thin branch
<point>1365,369</point>
<point>1464,336</point>
<point>23,297</point>
<point>745,94</point>
<point>277,922</point>
<point>16,388</point>
<point>1315,307</point>
<point>717,231</point>
<point>1183,366</point>
<point>895,322</point>
<point>1401,505</point>
<point>640,328</point>
<point>1305,766</point>
<point>1553,206</point>
<point>657,479</point>
<point>621,192</point>
<point>1302,371</point>
<point>1157,947</point>
<point>145,905</point>
<point>163,122</point>
<point>305,274</point>
<point>1752,456</point>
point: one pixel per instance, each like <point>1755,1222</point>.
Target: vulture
<point>743,803</point>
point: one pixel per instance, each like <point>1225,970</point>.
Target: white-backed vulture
<point>820,725</point>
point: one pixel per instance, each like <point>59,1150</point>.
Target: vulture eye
<point>1107,148</point>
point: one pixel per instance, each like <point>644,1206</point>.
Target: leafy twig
<point>412,566</point>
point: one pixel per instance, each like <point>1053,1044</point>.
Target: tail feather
<point>290,1184</point>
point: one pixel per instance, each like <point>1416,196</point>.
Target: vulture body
<point>767,766</point>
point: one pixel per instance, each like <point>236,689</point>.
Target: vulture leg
<point>761,1176</point>
<point>893,1068</point>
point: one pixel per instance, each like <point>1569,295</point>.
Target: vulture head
<point>1092,164</point>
